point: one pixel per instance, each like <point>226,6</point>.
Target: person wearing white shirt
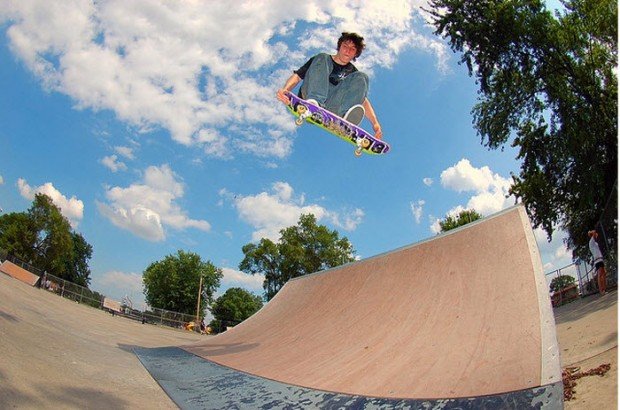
<point>599,264</point>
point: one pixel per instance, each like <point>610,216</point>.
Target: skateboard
<point>363,141</point>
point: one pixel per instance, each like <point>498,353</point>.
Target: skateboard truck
<point>303,112</point>
<point>361,144</point>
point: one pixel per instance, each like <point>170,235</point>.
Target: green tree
<point>233,307</point>
<point>53,235</point>
<point>264,258</point>
<point>548,84</point>
<point>173,282</point>
<point>561,282</point>
<point>302,249</point>
<point>43,236</point>
<point>17,235</point>
<point>463,218</point>
<point>76,262</point>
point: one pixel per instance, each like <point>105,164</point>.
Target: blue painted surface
<point>195,383</point>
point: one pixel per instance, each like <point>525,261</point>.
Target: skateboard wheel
<point>358,152</point>
<point>365,143</point>
<point>301,109</point>
<point>299,121</point>
<point>318,118</point>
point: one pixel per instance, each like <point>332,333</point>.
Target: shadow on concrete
<point>585,306</point>
<point>59,397</point>
<point>8,316</point>
<point>84,398</point>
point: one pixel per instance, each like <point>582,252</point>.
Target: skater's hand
<point>377,127</point>
<point>282,97</point>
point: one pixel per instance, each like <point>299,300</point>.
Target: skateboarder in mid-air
<point>334,83</point>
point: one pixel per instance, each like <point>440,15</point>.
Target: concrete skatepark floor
<point>59,354</point>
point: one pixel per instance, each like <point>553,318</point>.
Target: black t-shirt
<point>338,73</point>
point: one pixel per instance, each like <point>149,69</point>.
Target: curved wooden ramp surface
<point>462,315</point>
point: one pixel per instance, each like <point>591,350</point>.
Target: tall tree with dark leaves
<point>548,86</point>
<point>76,262</point>
<point>302,249</point>
<point>53,235</point>
<point>43,237</point>
<point>174,282</point>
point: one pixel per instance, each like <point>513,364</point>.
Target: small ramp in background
<point>18,273</point>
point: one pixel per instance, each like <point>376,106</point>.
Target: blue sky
<point>154,127</point>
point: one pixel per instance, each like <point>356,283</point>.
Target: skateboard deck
<point>363,141</point>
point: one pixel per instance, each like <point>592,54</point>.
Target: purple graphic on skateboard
<point>340,127</point>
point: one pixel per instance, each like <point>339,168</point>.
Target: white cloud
<point>490,189</point>
<point>554,254</point>
<point>128,282</point>
<point>428,181</point>
<point>215,144</point>
<point>349,222</point>
<point>202,70</point>
<point>490,195</point>
<point>562,252</point>
<point>268,212</point>
<point>118,285</point>
<point>464,177</point>
<point>146,208</point>
<point>71,208</point>
<point>126,152</point>
<point>417,209</point>
<point>113,164</point>
<point>435,227</point>
<point>234,278</point>
<point>1,180</point>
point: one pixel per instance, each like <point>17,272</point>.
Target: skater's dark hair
<point>355,38</point>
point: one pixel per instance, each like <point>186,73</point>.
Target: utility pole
<point>198,305</point>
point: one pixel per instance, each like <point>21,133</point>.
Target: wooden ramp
<point>464,315</point>
<point>18,273</point>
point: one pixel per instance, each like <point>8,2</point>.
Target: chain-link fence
<point>57,285</point>
<point>583,272</point>
<point>170,318</point>
<point>70,290</point>
<point>585,277</point>
<point>86,296</point>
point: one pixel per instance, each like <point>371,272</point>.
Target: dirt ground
<point>587,331</point>
<point>55,353</point>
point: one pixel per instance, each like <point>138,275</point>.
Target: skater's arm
<point>290,84</point>
<point>372,117</point>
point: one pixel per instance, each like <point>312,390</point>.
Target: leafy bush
<point>561,282</point>
<point>233,307</point>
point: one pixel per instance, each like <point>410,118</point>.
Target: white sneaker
<point>313,101</point>
<point>355,114</point>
